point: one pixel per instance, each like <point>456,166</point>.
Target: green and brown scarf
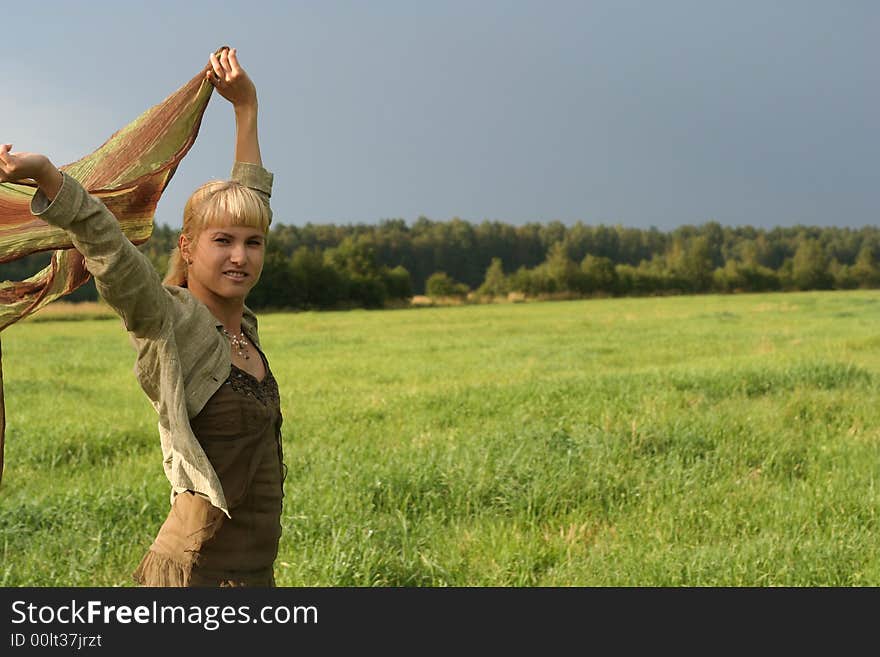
<point>128,173</point>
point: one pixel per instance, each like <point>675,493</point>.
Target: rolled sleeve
<point>60,211</point>
<point>253,176</point>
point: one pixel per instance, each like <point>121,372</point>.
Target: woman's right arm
<point>125,278</point>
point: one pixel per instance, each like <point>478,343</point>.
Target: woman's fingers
<point>230,79</point>
<point>7,164</point>
<point>224,67</point>
<point>233,62</point>
<point>216,73</point>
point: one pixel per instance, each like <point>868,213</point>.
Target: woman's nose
<point>239,253</point>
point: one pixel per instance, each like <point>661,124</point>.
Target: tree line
<point>324,266</point>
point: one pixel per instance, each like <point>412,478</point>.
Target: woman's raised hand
<point>21,166</point>
<point>15,167</point>
<point>231,80</point>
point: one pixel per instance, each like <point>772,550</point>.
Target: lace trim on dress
<point>244,383</point>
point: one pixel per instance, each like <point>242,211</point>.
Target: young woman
<point>199,359</point>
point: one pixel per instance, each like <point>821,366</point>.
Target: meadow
<point>677,441</point>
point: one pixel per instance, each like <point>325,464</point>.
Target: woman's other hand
<point>231,80</point>
<point>15,167</point>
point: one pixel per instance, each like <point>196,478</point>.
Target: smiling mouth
<point>236,275</point>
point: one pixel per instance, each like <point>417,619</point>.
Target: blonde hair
<point>216,203</point>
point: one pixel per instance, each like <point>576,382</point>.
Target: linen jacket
<point>182,355</point>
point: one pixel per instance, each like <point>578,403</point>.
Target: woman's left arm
<point>233,83</point>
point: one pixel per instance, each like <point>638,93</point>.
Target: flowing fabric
<point>129,173</point>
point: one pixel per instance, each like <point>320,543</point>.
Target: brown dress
<point>198,545</point>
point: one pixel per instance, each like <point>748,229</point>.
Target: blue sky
<point>749,112</point>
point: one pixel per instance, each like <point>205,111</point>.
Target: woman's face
<point>226,262</point>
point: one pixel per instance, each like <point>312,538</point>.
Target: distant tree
<point>647,278</point>
<point>563,273</point>
<point>398,283</point>
<point>865,271</point>
<point>713,235</point>
<point>760,279</point>
<point>842,275</point>
<point>354,256</point>
<point>441,284</point>
<point>809,267</point>
<point>530,282</point>
<point>691,264</point>
<point>626,279</point>
<point>316,284</point>
<point>598,274</point>
<point>276,288</point>
<point>729,278</point>
<point>495,283</point>
<point>366,291</point>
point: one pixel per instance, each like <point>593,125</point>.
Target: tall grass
<point>704,441</point>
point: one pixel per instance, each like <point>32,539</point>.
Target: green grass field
<point>700,441</point>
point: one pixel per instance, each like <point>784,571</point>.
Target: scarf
<point>128,173</point>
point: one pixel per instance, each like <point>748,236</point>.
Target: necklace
<point>238,342</point>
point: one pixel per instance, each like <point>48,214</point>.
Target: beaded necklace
<point>239,343</point>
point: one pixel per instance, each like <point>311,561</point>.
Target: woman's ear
<point>183,245</point>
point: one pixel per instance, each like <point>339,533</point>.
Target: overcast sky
<point>652,113</point>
